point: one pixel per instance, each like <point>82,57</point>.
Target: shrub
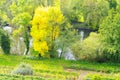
<point>88,49</point>
<point>23,69</point>
<point>4,41</point>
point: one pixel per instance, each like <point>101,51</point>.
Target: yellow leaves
<point>41,46</point>
<point>41,34</point>
<point>80,18</point>
<point>55,34</point>
<point>45,28</point>
<point>58,16</point>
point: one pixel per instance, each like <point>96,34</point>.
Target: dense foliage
<point>5,41</point>
<point>84,50</point>
<point>45,28</point>
<point>110,36</point>
<point>53,25</point>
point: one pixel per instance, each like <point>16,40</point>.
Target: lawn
<point>57,69</point>
<point>44,69</point>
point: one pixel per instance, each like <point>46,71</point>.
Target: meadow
<point>57,69</point>
<point>59,39</point>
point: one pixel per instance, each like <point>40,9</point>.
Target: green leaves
<point>72,10</point>
<point>22,19</point>
<point>4,41</point>
<point>94,12</point>
<point>88,48</point>
<point>110,34</point>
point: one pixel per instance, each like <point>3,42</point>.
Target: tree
<point>110,35</point>
<point>88,13</point>
<point>112,4</point>
<point>14,12</point>
<point>94,11</point>
<point>45,29</point>
<point>4,15</point>
<point>4,41</point>
<point>72,10</point>
<point>23,20</point>
<point>9,9</point>
<point>67,37</point>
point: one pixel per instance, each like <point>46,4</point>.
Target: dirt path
<point>84,73</point>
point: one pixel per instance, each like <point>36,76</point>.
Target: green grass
<point>19,77</point>
<point>53,69</point>
<point>94,66</point>
<point>10,60</point>
<point>103,77</point>
<point>57,64</point>
<point>49,69</point>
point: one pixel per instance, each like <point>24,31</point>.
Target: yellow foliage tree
<point>45,29</point>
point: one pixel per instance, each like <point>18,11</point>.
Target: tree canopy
<point>45,28</point>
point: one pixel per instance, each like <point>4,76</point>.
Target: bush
<point>4,41</point>
<point>23,69</point>
<point>88,49</point>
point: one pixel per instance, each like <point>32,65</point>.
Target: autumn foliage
<point>45,29</point>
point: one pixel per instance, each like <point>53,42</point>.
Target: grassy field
<point>56,69</point>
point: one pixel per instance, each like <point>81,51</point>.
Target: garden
<point>59,40</point>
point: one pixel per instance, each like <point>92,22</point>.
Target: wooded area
<point>78,30</point>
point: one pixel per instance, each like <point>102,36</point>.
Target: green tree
<point>72,10</point>
<point>4,13</point>
<point>18,13</point>
<point>112,4</point>
<point>11,8</point>
<point>94,12</point>
<point>67,37</point>
<point>87,13</point>
<point>110,36</point>
<point>23,20</point>
<point>5,41</point>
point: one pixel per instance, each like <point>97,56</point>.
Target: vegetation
<point>5,41</point>
<point>109,31</point>
<point>84,50</point>
<point>45,68</point>
<point>45,30</point>
<point>43,27</point>
<point>101,77</point>
<point>19,77</point>
<point>53,68</point>
<point>23,69</point>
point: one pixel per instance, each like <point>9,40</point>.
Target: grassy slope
<point>94,66</point>
<point>57,64</point>
<point>46,68</point>
<point>51,67</point>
